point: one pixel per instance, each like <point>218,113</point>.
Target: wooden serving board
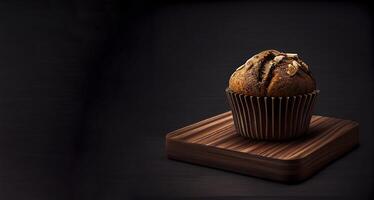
<point>214,143</point>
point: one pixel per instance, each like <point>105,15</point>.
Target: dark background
<point>89,89</point>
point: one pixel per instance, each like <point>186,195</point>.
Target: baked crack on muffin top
<point>274,74</point>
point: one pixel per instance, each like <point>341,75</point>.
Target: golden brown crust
<point>272,73</point>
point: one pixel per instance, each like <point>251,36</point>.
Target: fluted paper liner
<point>271,118</point>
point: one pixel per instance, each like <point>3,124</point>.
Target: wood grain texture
<point>214,142</point>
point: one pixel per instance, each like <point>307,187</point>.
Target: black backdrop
<point>88,90</point>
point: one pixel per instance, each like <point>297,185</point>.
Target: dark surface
<point>89,90</point>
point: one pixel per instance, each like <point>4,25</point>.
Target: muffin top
<point>273,73</point>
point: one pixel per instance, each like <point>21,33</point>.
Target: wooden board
<point>213,142</point>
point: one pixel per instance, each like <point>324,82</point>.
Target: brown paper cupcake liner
<point>271,118</point>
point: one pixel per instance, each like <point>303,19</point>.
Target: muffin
<point>272,96</point>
